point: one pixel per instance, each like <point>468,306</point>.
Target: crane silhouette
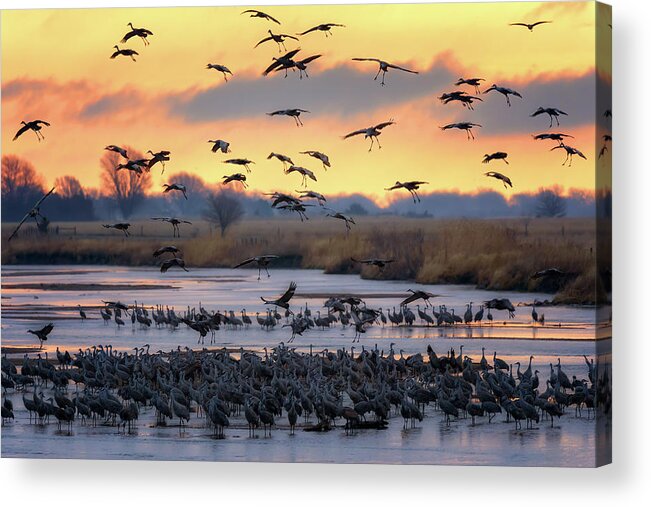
<point>384,67</point>
<point>35,126</point>
<point>371,133</point>
<point>499,176</point>
<point>34,212</point>
<point>124,52</point>
<point>530,26</point>
<point>504,91</point>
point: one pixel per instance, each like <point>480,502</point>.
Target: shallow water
<point>568,334</point>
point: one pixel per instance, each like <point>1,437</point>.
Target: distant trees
<point>356,209</point>
<point>71,201</point>
<point>550,204</point>
<point>22,186</point>
<point>223,209</point>
<point>125,187</point>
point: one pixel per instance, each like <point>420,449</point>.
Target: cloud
<point>341,90</point>
<point>110,104</point>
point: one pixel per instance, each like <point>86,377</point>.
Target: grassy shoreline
<point>490,254</point>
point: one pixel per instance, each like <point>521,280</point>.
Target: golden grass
<point>492,254</point>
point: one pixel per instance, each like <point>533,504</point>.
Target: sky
<point>56,67</point>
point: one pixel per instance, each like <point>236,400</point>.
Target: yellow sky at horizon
<point>71,54</point>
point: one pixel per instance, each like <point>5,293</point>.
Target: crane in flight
<point>283,158</point>
<point>472,81</point>
<point>43,333</point>
<point>259,14</point>
<point>286,61</point>
<point>311,194</point>
<point>260,261</point>
<point>34,212</point>
<point>341,216</point>
<point>297,207</point>
<point>117,149</point>
<point>143,33</point>
<point>220,68</point>
<point>235,177</point>
<point>305,173</point>
<point>170,263</point>
<point>220,145</point>
<point>464,125</point>
<point>411,186</point>
<point>371,133</point>
<point>569,153</point>
<point>384,67</point>
<point>498,155</point>
<point>120,226</point>
<point>161,156</point>
<point>460,96</point>
<point>123,52</point>
<point>282,198</point>
<point>282,301</point>
<point>279,39</point>
<point>294,113</point>
<point>166,249</point>
<point>378,263</point>
<point>244,162</point>
<point>553,113</point>
<point>416,295</point>
<point>319,156</point>
<point>175,187</point>
<point>499,176</point>
<point>530,26</point>
<point>554,136</point>
<point>325,28</point>
<point>504,91</point>
<point>35,126</point>
<point>175,222</point>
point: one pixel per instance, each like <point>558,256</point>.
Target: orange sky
<point>55,67</point>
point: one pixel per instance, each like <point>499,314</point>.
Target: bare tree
<point>126,187</point>
<point>68,187</point>
<point>550,204</point>
<point>21,186</point>
<point>224,209</point>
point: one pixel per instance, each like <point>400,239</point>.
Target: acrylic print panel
<point>340,234</point>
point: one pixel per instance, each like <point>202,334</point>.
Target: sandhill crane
<point>473,81</point>
<point>325,28</point>
<point>378,263</point>
<point>286,62</point>
<point>534,315</point>
<point>464,125</point>
<point>311,194</point>
<point>35,126</point>
<point>175,222</point>
<point>244,162</point>
<point>143,33</point>
<point>124,52</point>
<point>279,39</point>
<point>301,65</point>
<point>504,91</point>
<point>220,68</point>
<point>341,216</point>
<point>319,156</point>
<point>530,26</point>
<point>283,158</point>
<point>298,207</point>
<point>169,263</point>
<point>220,145</point>
<point>170,187</point>
<point>498,155</point>
<point>554,136</point>
<point>261,261</point>
<point>553,113</point>
<point>259,14</point>
<point>294,113</point>
<point>133,165</point>
<point>118,150</point>
<point>239,177</point>
<point>371,132</point>
<point>82,313</point>
<point>501,304</point>
<point>166,249</point>
<point>499,176</point>
<point>34,212</point>
<point>281,198</point>
<point>384,67</point>
<point>305,173</point>
<point>569,153</point>
<point>411,186</point>
<point>160,156</point>
<point>416,295</point>
<point>459,96</point>
<point>121,226</point>
<point>42,334</point>
<point>282,301</point>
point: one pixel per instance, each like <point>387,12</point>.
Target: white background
<point>77,482</point>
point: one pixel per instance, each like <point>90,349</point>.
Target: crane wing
<point>21,131</point>
<point>310,59</point>
<point>263,40</point>
<point>289,294</point>
<point>401,68</point>
<point>380,126</point>
<point>367,60</point>
<point>356,133</point>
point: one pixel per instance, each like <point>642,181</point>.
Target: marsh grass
<point>491,254</point>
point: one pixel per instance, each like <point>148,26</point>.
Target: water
<point>568,334</point>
